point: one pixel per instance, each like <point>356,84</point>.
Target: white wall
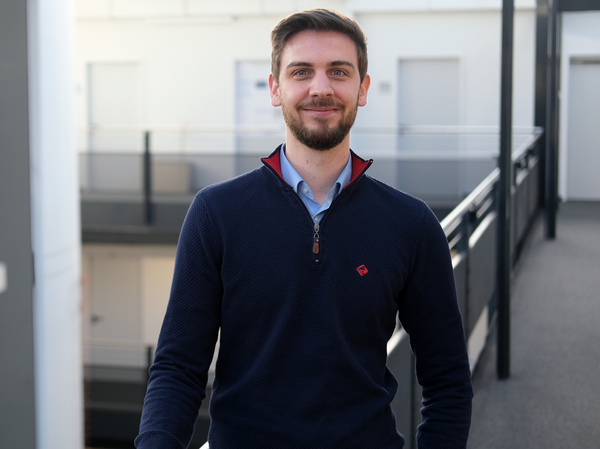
<point>188,53</point>
<point>187,60</point>
<point>580,38</point>
<point>473,37</point>
<point>431,5</point>
<point>55,227</point>
<point>196,8</point>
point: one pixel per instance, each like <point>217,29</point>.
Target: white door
<point>583,142</point>
<point>157,274</point>
<point>261,124</point>
<point>428,92</point>
<point>115,305</point>
<point>428,97</point>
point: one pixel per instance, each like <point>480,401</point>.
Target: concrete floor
<point>552,398</point>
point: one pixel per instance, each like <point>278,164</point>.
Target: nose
<point>321,85</point>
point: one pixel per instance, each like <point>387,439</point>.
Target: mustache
<point>320,103</point>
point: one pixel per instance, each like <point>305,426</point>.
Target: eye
<point>338,72</point>
<point>301,72</point>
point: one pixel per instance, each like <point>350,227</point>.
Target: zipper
<point>316,249</point>
<point>316,237</point>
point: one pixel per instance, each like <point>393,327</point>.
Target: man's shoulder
<point>226,201</point>
<point>400,209</point>
<point>394,197</point>
<point>238,187</point>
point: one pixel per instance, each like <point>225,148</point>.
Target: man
<point>303,266</point>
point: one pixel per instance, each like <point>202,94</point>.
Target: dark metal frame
<point>504,197</point>
<point>552,107</point>
<point>148,209</point>
<point>578,5</point>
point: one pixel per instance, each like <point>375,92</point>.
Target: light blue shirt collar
<point>291,176</point>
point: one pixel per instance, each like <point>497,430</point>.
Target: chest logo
<point>362,270</point>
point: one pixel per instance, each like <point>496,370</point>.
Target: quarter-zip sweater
<point>304,319</point>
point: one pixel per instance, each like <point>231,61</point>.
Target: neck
<point>319,169</point>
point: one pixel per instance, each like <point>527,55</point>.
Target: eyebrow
<point>337,63</point>
<point>309,64</point>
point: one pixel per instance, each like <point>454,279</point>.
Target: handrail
<point>397,337</point>
<point>366,153</point>
<point>448,225</point>
<point>486,185</point>
<point>120,342</point>
<point>466,205</point>
<point>529,142</point>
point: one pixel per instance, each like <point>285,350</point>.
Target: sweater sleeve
<point>428,310</point>
<point>178,377</point>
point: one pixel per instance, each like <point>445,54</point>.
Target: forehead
<point>319,46</point>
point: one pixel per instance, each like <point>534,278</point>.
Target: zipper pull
<point>316,243</point>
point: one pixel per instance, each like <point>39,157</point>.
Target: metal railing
<point>239,138</point>
<point>440,164</point>
<point>471,232</point>
<point>103,351</point>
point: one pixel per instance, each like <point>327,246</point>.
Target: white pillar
<point>55,226</point>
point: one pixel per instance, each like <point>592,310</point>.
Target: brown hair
<point>317,20</point>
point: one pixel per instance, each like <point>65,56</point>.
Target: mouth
<point>320,111</point>
<point>321,107</point>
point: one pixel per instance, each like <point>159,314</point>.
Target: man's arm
<point>429,312</point>
<point>187,339</point>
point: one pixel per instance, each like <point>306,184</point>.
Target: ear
<point>274,91</point>
<point>362,91</point>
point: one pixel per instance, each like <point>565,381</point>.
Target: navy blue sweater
<point>305,318</point>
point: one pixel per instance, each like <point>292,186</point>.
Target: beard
<point>323,137</point>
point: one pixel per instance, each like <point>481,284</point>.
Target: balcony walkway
<point>552,399</point>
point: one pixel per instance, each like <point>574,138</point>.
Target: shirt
<point>293,178</point>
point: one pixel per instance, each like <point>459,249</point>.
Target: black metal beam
<point>551,149</point>
<point>541,90</point>
<point>505,184</point>
<point>148,212</point>
<point>578,5</point>
<point>144,235</point>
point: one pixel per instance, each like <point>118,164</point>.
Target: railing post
<point>541,90</point>
<point>551,167</point>
<point>504,197</point>
<point>415,399</point>
<point>148,212</point>
<point>149,360</point>
<point>464,248</point>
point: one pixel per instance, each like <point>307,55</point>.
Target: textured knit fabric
<point>302,359</point>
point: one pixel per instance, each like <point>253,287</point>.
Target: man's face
<point>319,88</point>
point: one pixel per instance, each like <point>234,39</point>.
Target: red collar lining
<point>358,165</point>
<point>274,162</point>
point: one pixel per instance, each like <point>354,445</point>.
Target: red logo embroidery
<point>362,270</point>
